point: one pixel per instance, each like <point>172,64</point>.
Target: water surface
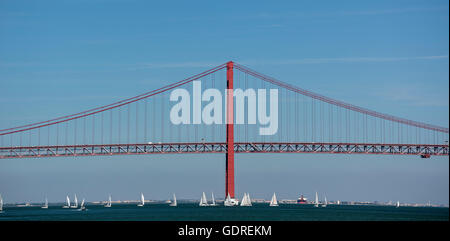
<point>259,212</point>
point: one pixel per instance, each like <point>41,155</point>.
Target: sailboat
<point>82,207</point>
<point>213,200</point>
<point>142,200</point>
<point>1,204</point>
<point>273,201</point>
<point>398,204</point>
<point>325,202</point>
<point>108,204</point>
<point>174,203</point>
<point>46,204</point>
<point>230,201</point>
<point>203,201</point>
<point>249,200</point>
<point>227,200</point>
<point>246,201</point>
<point>316,202</point>
<point>67,202</point>
<point>75,205</point>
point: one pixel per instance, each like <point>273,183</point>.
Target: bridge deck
<point>239,147</point>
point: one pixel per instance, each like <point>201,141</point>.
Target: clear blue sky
<point>61,57</point>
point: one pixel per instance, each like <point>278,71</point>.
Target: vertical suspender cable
<point>137,121</point>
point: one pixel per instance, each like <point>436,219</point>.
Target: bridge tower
<point>229,175</point>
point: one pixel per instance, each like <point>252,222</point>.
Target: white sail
<point>1,203</point>
<point>316,202</point>
<point>75,205</point>
<point>213,201</point>
<point>227,200</point>
<point>142,200</point>
<point>325,202</point>
<point>174,203</point>
<point>203,201</point>
<point>67,202</point>
<point>109,203</point>
<point>82,207</point>
<point>246,201</point>
<point>398,204</point>
<point>46,204</point>
<point>274,202</point>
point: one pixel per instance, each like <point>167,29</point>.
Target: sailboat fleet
<point>75,203</point>
<point>245,201</point>
<point>317,203</point>
<point>204,201</point>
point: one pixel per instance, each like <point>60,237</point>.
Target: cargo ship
<point>302,200</point>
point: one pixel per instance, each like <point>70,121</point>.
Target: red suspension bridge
<point>308,123</point>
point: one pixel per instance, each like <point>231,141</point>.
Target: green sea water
<point>257,212</point>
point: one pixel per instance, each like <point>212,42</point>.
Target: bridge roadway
<point>423,150</point>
